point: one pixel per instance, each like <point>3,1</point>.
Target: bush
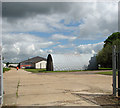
<point>5,69</point>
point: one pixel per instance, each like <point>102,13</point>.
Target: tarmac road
<point>53,89</point>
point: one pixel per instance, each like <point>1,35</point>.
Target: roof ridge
<point>34,59</point>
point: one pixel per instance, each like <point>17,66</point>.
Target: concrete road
<point>53,89</point>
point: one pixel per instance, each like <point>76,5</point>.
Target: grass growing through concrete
<point>5,69</point>
<point>17,88</point>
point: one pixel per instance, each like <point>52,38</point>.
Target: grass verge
<point>5,69</point>
<point>105,68</point>
<point>44,71</point>
<point>107,73</point>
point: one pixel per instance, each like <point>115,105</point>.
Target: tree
<point>112,38</point>
<point>18,65</point>
<point>104,57</point>
<point>7,64</point>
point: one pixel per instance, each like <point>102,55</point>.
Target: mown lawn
<point>6,69</point>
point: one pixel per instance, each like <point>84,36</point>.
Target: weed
<point>17,88</point>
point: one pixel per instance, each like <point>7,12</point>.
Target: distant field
<point>6,69</point>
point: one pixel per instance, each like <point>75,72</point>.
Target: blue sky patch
<point>72,23</point>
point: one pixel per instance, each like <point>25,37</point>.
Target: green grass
<point>107,73</point>
<point>105,68</point>
<point>44,71</point>
<point>5,69</point>
<point>17,88</point>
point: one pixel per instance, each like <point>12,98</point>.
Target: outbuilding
<point>34,63</point>
<point>61,62</point>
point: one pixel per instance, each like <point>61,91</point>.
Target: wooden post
<point>114,69</point>
<point>119,73</point>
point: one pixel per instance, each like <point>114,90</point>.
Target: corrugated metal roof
<point>34,59</point>
<point>63,62</point>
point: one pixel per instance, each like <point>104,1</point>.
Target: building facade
<point>41,65</point>
<point>61,62</point>
<point>34,63</point>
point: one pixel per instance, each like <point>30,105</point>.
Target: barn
<point>61,62</point>
<point>34,63</point>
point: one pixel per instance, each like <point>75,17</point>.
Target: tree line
<point>104,56</point>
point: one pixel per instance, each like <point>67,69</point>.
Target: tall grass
<point>5,69</point>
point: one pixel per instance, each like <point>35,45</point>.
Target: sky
<point>32,29</point>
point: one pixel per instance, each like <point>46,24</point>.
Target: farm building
<point>61,62</point>
<point>13,65</point>
<point>35,63</point>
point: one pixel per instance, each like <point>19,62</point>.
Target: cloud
<point>100,23</point>
<point>92,21</point>
<point>27,9</point>
<point>79,49</point>
<point>49,51</point>
<point>61,46</point>
<point>46,17</point>
<point>23,46</point>
<point>36,23</point>
<point>61,37</point>
<point>90,48</point>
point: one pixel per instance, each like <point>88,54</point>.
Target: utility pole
<point>114,69</point>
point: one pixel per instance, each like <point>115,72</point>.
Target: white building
<point>61,62</point>
<point>12,65</point>
<point>35,63</point>
<point>4,65</point>
<point>40,65</point>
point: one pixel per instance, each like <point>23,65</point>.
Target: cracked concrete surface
<point>53,89</point>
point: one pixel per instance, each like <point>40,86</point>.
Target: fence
<point>1,81</point>
<point>116,67</point>
<point>1,72</point>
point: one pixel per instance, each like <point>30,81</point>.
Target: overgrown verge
<point>6,69</point>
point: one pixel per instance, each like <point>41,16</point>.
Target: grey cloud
<point>22,9</point>
<point>99,20</point>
